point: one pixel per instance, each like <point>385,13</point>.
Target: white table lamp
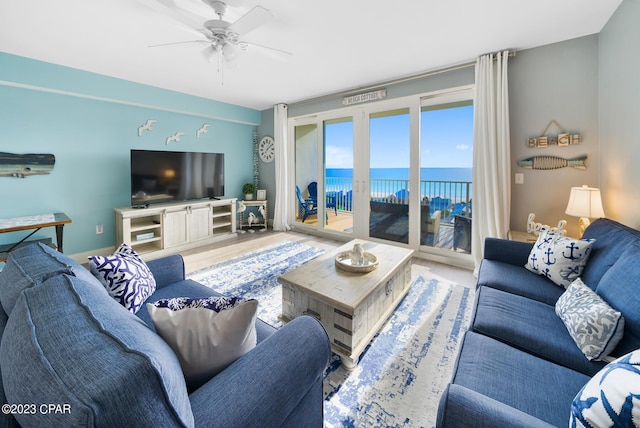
<point>585,202</point>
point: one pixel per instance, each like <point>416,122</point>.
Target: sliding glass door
<point>389,183</point>
<point>446,165</point>
<point>324,174</point>
<point>397,171</point>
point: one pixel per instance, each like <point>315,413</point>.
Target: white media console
<point>164,229</point>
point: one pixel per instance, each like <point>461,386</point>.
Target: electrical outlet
<point>519,178</point>
<point>99,229</point>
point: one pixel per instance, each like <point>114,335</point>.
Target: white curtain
<point>283,195</point>
<point>491,153</point>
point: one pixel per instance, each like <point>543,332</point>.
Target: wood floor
<point>205,256</point>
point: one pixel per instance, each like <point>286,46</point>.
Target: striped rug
<point>400,377</point>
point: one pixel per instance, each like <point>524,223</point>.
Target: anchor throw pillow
<point>207,334</point>
<point>559,258</point>
<point>126,277</point>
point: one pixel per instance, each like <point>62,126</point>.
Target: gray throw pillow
<point>594,325</point>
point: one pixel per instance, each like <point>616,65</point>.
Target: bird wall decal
<point>175,137</point>
<point>146,127</point>
<point>202,130</point>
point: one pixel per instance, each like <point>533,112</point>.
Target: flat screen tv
<point>163,176</point>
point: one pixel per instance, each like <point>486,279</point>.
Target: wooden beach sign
<point>21,166</point>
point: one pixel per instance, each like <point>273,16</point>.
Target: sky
<point>446,140</point>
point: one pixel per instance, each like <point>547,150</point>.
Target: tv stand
<point>163,229</point>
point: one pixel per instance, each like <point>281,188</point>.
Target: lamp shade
<point>585,202</point>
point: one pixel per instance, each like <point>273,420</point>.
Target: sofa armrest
<point>167,270</point>
<point>265,386</point>
<point>507,251</point>
<point>459,406</point>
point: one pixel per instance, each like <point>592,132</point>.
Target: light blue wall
<point>90,122</point>
<point>620,114</point>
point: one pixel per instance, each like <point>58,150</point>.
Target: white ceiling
<point>337,45</point>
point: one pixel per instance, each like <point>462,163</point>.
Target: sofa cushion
<point>67,341</point>
<point>207,334</point>
<point>612,238</point>
<point>513,377</point>
<point>530,326</point>
<point>514,279</point>
<point>126,277</point>
<point>32,265</point>
<point>620,287</point>
<point>559,258</point>
<point>594,325</point>
<point>610,398</point>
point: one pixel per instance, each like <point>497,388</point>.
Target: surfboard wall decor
<point>553,162</point>
<point>21,166</point>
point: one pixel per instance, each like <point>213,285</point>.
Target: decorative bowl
<point>344,262</point>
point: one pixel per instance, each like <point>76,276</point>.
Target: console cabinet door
<point>199,223</point>
<point>175,228</point>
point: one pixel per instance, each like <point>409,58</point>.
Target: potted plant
<point>248,189</point>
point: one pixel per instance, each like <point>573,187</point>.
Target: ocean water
<point>390,181</point>
<point>426,174</point>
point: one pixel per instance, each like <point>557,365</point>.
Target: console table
<point>35,222</point>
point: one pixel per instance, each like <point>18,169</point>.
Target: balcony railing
<point>450,197</point>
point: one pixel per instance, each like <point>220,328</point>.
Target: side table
<point>262,215</point>
<point>34,223</point>
<point>517,235</point>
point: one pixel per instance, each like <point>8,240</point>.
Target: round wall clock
<point>267,149</point>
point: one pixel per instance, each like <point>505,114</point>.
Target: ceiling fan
<point>223,39</point>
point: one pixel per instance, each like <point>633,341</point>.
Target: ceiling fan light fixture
<point>209,53</point>
<point>229,51</point>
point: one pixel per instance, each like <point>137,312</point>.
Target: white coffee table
<point>351,306</point>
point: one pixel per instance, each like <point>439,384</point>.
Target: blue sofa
<point>518,366</point>
<point>70,355</point>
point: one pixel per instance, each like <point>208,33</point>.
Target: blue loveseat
<point>70,355</point>
<point>518,366</point>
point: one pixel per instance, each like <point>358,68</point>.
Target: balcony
<point>453,200</point>
<point>450,197</point>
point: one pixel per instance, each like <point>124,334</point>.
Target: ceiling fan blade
<point>272,52</point>
<point>178,43</point>
<point>250,20</point>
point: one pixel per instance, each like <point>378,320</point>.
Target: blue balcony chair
<point>459,208</point>
<point>332,201</point>
<point>305,207</point>
<point>440,204</point>
<point>312,188</point>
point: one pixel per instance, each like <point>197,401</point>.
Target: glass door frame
<point>319,120</point>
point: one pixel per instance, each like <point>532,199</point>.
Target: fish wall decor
<point>21,166</point>
<point>553,162</point>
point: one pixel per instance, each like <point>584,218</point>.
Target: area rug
<point>401,375</point>
<point>255,275</point>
